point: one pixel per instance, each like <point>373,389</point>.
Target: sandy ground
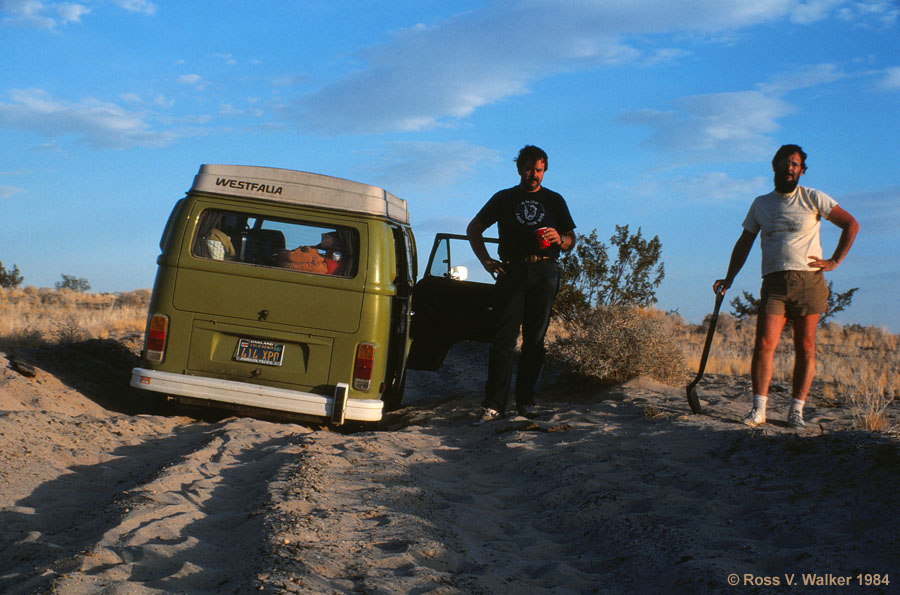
<point>619,490</point>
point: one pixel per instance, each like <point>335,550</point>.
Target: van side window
<point>452,258</point>
<point>212,241</point>
<point>296,245</point>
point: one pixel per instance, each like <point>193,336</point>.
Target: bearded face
<point>788,172</point>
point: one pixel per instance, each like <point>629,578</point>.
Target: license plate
<point>259,352</point>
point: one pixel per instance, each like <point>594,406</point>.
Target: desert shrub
<point>139,298</point>
<point>616,343</point>
<point>589,279</point>
<point>23,337</point>
<point>863,337</point>
<point>10,278</point>
<point>54,297</point>
<point>73,283</point>
<point>744,306</point>
<point>69,330</point>
<point>837,302</point>
<point>870,399</point>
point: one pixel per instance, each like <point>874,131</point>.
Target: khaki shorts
<point>794,293</point>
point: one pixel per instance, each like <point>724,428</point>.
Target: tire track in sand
<point>174,513</point>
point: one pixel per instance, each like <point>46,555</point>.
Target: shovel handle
<point>693,400</point>
<point>709,334</point>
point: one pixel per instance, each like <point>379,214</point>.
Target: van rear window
<point>260,241</point>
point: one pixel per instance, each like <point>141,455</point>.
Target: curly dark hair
<point>786,151</point>
<point>530,154</point>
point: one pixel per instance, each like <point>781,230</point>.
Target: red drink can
<point>543,242</point>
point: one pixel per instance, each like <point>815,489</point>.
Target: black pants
<point>523,297</point>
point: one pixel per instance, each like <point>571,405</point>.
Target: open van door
<point>451,302</point>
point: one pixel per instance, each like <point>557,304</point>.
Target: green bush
<point>10,279</point>
<point>69,331</point>
<point>74,283</point>
<point>589,279</point>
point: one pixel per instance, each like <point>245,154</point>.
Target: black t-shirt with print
<point>518,214</point>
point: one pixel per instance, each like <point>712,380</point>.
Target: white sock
<point>797,405</point>
<point>759,402</point>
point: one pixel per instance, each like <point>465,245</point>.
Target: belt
<point>537,258</point>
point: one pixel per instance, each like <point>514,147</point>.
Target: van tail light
<point>157,331</point>
<point>362,369</point>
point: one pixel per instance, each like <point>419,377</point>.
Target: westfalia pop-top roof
<point>301,188</point>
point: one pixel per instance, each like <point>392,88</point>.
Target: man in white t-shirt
<point>787,219</point>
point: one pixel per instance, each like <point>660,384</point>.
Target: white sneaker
<point>487,414</point>
<point>755,417</point>
<point>795,419</point>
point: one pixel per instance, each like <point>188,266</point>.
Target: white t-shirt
<point>789,227</point>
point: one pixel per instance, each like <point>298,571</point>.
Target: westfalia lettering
<point>251,186</point>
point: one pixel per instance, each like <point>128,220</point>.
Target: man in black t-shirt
<point>534,225</point>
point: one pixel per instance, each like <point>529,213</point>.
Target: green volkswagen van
<point>288,292</point>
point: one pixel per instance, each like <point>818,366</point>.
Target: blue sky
<point>657,114</point>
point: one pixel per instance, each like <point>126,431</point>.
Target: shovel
<point>692,398</point>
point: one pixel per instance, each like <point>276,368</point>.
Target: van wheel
<point>163,404</point>
<point>393,397</point>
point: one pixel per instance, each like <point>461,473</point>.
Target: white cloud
<point>101,125</point>
<point>226,58</point>
<point>141,6</point>
<point>226,109</point>
<point>71,13</point>
<point>158,101</point>
<point>665,55</point>
<point>429,76</point>
<point>802,78</point>
<point>883,13</point>
<point>7,191</point>
<point>163,101</point>
<point>813,10</point>
<point>189,79</point>
<point>891,78</point>
<point>47,15</point>
<point>665,190</point>
<point>716,187</point>
<point>729,126</point>
<point>49,147</point>
<point>27,13</point>
<point>718,127</point>
<point>402,166</point>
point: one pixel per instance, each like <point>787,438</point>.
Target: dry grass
<point>856,366</point>
<point>39,316</point>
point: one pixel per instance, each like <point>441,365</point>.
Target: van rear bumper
<point>254,395</point>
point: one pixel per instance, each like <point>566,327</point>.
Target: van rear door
<point>269,294</point>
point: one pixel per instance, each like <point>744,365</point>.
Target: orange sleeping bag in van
<point>304,258</point>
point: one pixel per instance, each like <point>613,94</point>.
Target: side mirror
<point>459,273</point>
